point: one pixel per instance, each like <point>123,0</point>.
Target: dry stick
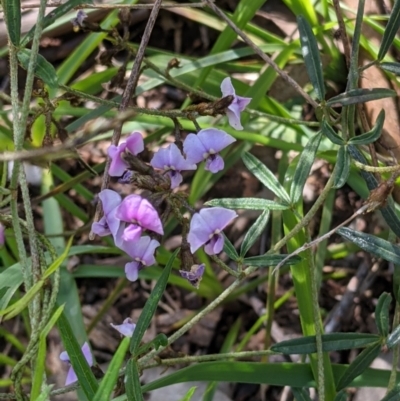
<point>126,97</point>
<point>258,51</point>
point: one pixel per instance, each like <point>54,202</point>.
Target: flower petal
<point>215,139</point>
<point>234,118</point>
<point>194,149</point>
<point>227,87</point>
<point>217,218</point>
<point>131,233</point>
<point>87,353</point>
<point>199,232</point>
<point>214,164</point>
<point>134,143</point>
<point>175,177</point>
<point>117,165</point>
<point>215,245</point>
<point>126,328</point>
<point>71,377</point>
<point>132,270</point>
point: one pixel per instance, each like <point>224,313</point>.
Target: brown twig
<point>342,30</point>
<point>126,97</point>
<point>260,53</point>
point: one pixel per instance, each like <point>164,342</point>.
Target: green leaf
<point>254,232</point>
<point>10,280</point>
<point>188,396</point>
<point>372,244</point>
<point>247,203</point>
<point>394,338</point>
<point>382,314</point>
<point>301,394</point>
<point>342,168</point>
<point>312,60</point>
<point>303,168</point>
<point>43,69</point>
<point>229,249</point>
<point>110,378</point>
<point>12,15</point>
<point>82,369</point>
<point>391,67</point>
<point>132,387</point>
<point>58,262</point>
<point>267,260</point>
<point>391,29</point>
<point>370,136</point>
<point>331,134</point>
<point>330,342</point>
<point>266,177</point>
<point>359,365</point>
<point>151,305</point>
<point>355,96</point>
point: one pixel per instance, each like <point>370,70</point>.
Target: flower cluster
<point>134,221</point>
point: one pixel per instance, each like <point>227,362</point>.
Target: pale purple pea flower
<point>206,227</point>
<point>134,144</point>
<point>2,235</point>
<point>109,223</point>
<point>126,328</point>
<point>140,214</point>
<point>71,376</point>
<point>205,146</point>
<point>195,274</point>
<point>170,159</point>
<point>142,253</point>
<point>238,104</point>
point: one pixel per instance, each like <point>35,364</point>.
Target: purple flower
<point>142,253</point>
<point>140,214</point>
<point>71,376</point>
<point>170,159</point>
<point>238,104</point>
<point>134,144</point>
<point>2,235</point>
<point>126,328</point>
<point>195,274</point>
<point>205,146</point>
<point>206,227</point>
<point>109,223</point>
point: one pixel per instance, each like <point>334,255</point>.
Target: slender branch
<point>126,98</point>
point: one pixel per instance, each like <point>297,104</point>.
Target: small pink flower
<point>126,328</point>
<point>134,144</point>
<point>71,376</point>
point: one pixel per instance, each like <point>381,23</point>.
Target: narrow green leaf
<point>370,136</point>
<point>267,178</point>
<point>388,211</point>
<point>110,378</point>
<point>82,369</point>
<point>382,314</point>
<point>391,29</point>
<point>303,168</point>
<point>372,244</point>
<point>270,260</point>
<point>132,387</point>
<point>330,342</point>
<point>151,305</point>
<point>391,67</point>
<point>229,249</point>
<point>312,60</point>
<point>22,303</point>
<point>331,134</point>
<point>247,203</point>
<point>12,15</point>
<point>364,95</point>
<point>394,338</point>
<point>359,365</point>
<point>301,394</point>
<point>188,396</point>
<point>342,168</point>
<point>58,262</point>
<point>341,396</point>
<point>254,232</point>
<point>43,69</point>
